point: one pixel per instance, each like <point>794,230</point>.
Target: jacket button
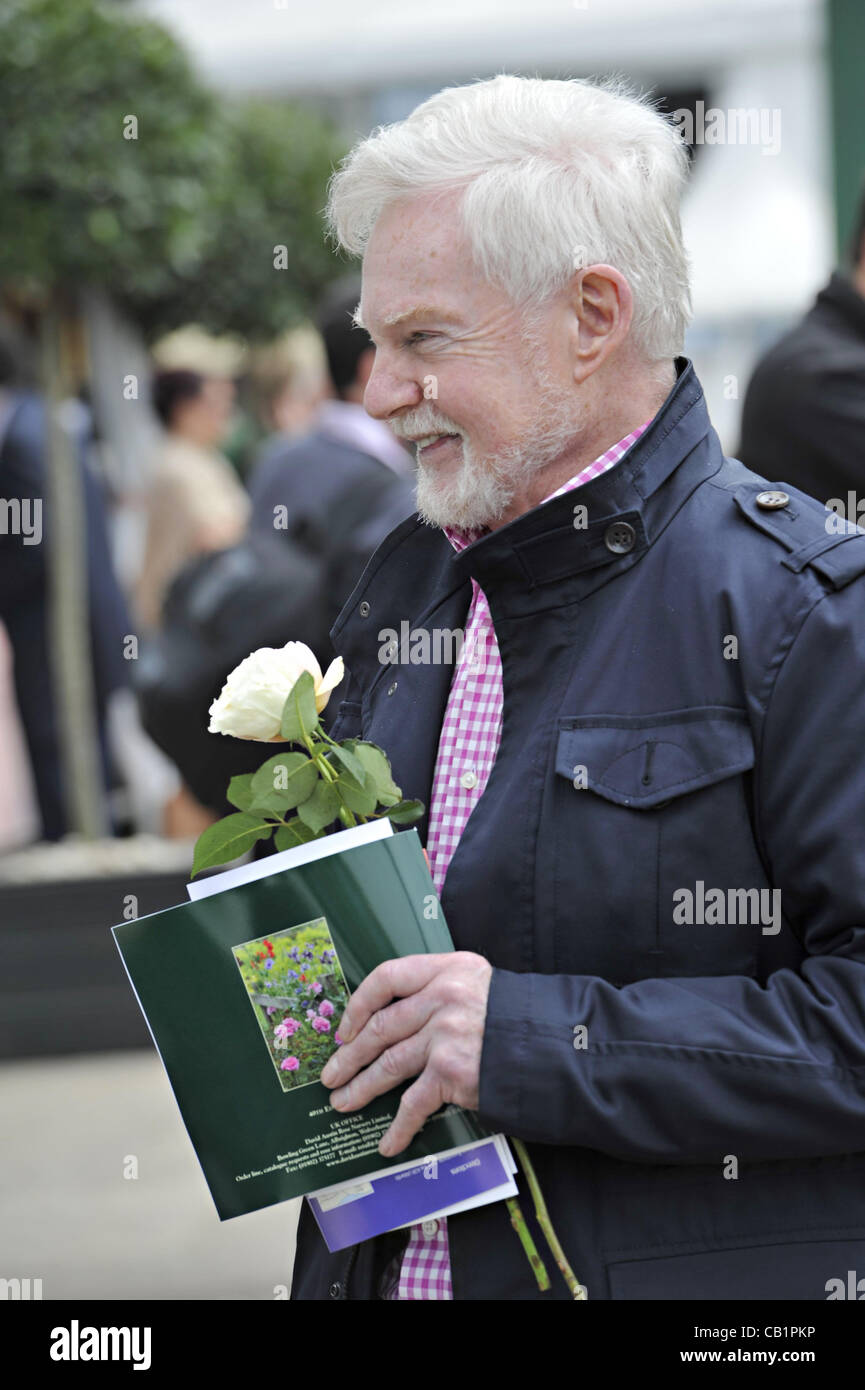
<point>363,609</point>
<point>770,500</point>
<point>620,537</point>
<point>335,1290</point>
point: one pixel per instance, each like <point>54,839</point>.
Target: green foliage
<point>376,767</point>
<point>358,797</point>
<point>267,191</point>
<point>321,809</point>
<point>283,782</point>
<point>299,715</point>
<point>294,833</point>
<point>180,222</point>
<point>327,783</point>
<point>227,839</point>
<point>405,812</point>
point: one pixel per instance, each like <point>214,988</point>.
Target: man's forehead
<point>417,265</point>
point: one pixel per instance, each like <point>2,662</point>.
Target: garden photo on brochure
<point>298,991</point>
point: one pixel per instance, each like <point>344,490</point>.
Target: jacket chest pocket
<point>348,720</point>
<point>645,806</point>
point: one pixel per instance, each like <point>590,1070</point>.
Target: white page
<point>290,858</point>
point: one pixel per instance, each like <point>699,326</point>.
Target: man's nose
<point>389,390</point>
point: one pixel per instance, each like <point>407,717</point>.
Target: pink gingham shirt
<point>467,749</point>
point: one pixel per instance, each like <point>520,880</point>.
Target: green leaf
<point>292,834</point>
<point>360,799</point>
<point>299,714</point>
<point>321,808</point>
<point>227,839</point>
<point>405,812</point>
<point>283,782</point>
<point>379,776</point>
<point>240,791</point>
<point>390,798</point>
<point>351,763</point>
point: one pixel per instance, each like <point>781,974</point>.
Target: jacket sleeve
<point>687,1070</point>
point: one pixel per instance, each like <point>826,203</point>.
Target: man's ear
<point>602,307</point>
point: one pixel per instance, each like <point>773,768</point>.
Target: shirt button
<point>430,1229</point>
<point>469,779</point>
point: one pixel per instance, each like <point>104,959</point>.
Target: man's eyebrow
<point>418,312</point>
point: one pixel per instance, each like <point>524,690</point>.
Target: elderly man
<point>646,800</point>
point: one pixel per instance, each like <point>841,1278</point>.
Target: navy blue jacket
<point>684,709</point>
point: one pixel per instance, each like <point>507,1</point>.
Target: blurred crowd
<point>268,488</point>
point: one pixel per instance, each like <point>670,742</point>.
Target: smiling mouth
<point>432,444</point>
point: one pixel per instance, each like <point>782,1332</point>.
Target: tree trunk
<point>69,602</point>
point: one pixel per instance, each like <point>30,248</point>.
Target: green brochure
<point>243,990</point>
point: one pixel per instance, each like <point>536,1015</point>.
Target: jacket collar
<point>543,558</point>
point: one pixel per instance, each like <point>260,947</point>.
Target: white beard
<point>484,485</point>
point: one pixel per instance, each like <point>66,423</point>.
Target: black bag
<point>222,606</point>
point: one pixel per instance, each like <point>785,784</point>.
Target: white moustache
<point>423,424</point>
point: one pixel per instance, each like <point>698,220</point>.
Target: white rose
<point>250,703</point>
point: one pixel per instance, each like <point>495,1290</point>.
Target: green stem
<point>518,1221</point>
<point>326,736</point>
<point>325,767</point>
<point>543,1220</point>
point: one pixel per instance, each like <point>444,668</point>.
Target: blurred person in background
<point>341,487</point>
<point>196,503</point>
<point>804,414</point>
<point>322,501</point>
<point>25,598</point>
<point>289,381</point>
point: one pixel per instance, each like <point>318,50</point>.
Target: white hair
<point>558,175</point>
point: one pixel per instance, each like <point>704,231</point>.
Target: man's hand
<point>433,1030</point>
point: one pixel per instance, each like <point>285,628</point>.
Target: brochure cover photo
<point>243,990</point>
<point>297,989</point>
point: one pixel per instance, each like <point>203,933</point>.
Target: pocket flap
<point>642,760</point>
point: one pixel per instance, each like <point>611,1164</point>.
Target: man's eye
<point>416,337</point>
